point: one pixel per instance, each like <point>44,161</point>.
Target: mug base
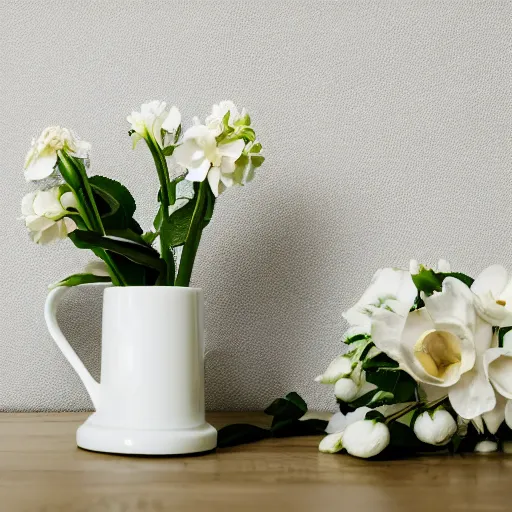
<point>146,442</point>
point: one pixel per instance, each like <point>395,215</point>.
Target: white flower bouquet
<point>427,367</point>
<point>97,213</point>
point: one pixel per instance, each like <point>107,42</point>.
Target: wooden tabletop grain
<point>42,470</point>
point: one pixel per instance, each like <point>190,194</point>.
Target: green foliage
<point>397,382</point>
<point>141,254</point>
<point>286,413</point>
<point>77,279</point>
<point>501,334</point>
<point>429,281</point>
<point>381,360</point>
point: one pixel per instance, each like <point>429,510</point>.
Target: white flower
<point>42,156</point>
<point>172,121</point>
<point>486,447</point>
<point>340,367</point>
<point>214,121</point>
<point>203,157</point>
<point>332,443</point>
<point>148,123</point>
<point>365,438</point>
<point>346,389</point>
<point>389,288</point>
<point>493,296</point>
<point>339,421</point>
<point>435,428</point>
<point>44,214</point>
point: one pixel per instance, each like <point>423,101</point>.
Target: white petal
<point>396,337</point>
<point>498,367</point>
<point>233,149</point>
<point>46,203</point>
<point>172,121</point>
<point>508,413</point>
<point>198,173</point>
<point>507,341</point>
<point>198,132</point>
<point>390,288</point>
<point>27,204</point>
<point>493,279</point>
<point>443,266</point>
<point>188,154</point>
<point>337,423</point>
<point>97,268</point>
<point>214,179</point>
<point>331,443</point>
<point>414,267</point>
<point>346,389</point>
<point>365,438</point>
<point>339,367</point>
<point>486,447</point>
<point>68,201</point>
<point>435,428</point>
<point>472,395</point>
<point>41,167</point>
<point>69,226</point>
<point>227,165</point>
<point>37,223</point>
<point>452,310</point>
<point>494,418</point>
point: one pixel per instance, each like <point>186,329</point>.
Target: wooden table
<point>42,470</point>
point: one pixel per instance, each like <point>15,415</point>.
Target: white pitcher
<point>151,396</point>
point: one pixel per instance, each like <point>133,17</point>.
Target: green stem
<point>167,198</point>
<point>193,238</point>
<point>414,406</point>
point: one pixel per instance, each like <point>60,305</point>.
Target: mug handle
<point>50,314</point>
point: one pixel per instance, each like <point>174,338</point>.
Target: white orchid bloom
<point>389,289</point>
<point>214,121</point>
<point>41,159</point>
<point>44,214</point>
<point>148,123</point>
<point>493,296</point>
<point>436,428</point>
<point>172,121</point>
<point>204,158</point>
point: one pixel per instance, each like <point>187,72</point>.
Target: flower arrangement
<point>427,367</point>
<point>97,213</point>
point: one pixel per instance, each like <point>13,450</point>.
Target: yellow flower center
<point>501,302</point>
<point>437,351</point>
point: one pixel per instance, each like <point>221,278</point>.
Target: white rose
<point>365,438</point>
<point>436,429</point>
<point>42,157</point>
<point>44,214</point>
<point>339,368</point>
<point>204,158</point>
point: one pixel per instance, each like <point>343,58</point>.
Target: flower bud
<point>340,367</point>
<point>365,438</point>
<point>331,443</point>
<point>346,389</point>
<point>435,428</point>
<point>486,447</point>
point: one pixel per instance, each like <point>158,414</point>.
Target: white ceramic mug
<point>151,397</point>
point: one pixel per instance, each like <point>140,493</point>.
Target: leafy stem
<point>193,237</point>
<point>412,407</point>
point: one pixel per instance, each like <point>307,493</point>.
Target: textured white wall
<point>387,129</point>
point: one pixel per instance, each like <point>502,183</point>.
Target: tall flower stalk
<point>97,213</point>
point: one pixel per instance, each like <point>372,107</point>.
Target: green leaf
<point>169,150</point>
<point>174,230</point>
<point>150,236</point>
<point>379,361</point>
<point>356,337</point>
<point>293,428</point>
<point>291,407</point>
<point>133,273</point>
<point>141,254</point>
<point>375,415</point>
<point>240,433</point>
<point>116,206</point>
<point>77,279</point>
<point>372,399</point>
<point>256,148</point>
<point>428,281</point>
<point>127,234</point>
<point>397,382</point>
